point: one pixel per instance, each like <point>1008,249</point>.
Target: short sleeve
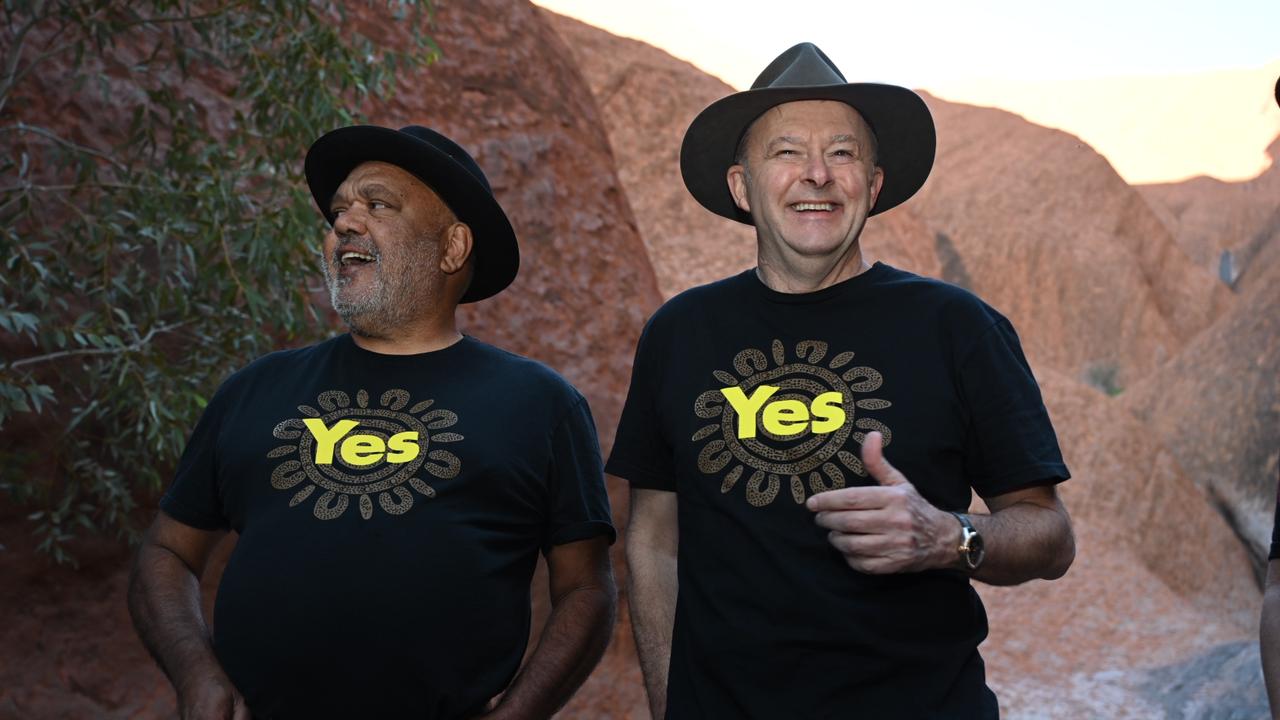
<point>1010,443</point>
<point>579,503</point>
<point>641,455</point>
<point>193,498</point>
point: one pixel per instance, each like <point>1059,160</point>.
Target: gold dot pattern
<point>808,462</point>
<point>387,482</point>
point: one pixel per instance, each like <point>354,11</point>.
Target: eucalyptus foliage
<point>140,269</point>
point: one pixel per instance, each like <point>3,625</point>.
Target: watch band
<point>971,545</point>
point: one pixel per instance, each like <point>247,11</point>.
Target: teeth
<point>349,256</point>
<point>814,206</point>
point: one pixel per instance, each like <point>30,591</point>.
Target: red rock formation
<point>1216,405</point>
<point>647,100</point>
<point>1159,579</point>
<point>505,87</point>
<point>1056,240</point>
<point>1208,216</point>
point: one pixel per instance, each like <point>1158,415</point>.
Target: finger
<point>858,521</point>
<point>241,711</point>
<point>859,545</point>
<point>873,460</point>
<point>863,497</point>
<point>872,565</point>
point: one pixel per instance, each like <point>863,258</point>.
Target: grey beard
<point>377,314</point>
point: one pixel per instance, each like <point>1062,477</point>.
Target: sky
<point>1135,79</point>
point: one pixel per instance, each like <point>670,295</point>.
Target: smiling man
<point>392,487</point>
<point>781,566</point>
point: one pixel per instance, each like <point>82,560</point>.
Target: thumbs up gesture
<point>888,527</point>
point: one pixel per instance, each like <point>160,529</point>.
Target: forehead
<point>379,175</point>
<point>804,118</point>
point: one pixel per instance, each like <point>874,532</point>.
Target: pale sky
<point>1165,90</point>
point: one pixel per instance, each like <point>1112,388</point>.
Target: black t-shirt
<point>390,510</point>
<point>1275,531</point>
<point>770,621</point>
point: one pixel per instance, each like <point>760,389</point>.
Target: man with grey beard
<point>391,487</point>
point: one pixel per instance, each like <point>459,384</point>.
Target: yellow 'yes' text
<point>360,450</point>
<point>785,417</point>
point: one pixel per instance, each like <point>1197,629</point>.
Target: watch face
<point>977,551</point>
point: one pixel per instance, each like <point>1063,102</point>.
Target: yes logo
<point>784,417</point>
<point>360,450</point>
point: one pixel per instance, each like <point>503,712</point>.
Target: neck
<point>799,274</point>
<point>423,336</point>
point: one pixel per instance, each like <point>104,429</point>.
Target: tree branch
<point>98,351</point>
<point>184,18</point>
<point>50,135</point>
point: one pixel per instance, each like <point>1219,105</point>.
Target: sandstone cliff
<point>1052,237</point>
<point>1209,216</point>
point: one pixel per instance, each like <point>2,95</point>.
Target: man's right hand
<point>652,541</point>
<point>165,603</point>
<point>211,697</point>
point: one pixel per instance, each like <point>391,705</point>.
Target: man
<point>802,439</point>
<point>391,487</point>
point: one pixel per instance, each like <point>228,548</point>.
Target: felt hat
<point>899,118</point>
<point>446,168</point>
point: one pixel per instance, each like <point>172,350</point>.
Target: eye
<point>378,204</point>
<point>337,211</point>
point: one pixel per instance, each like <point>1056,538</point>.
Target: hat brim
<point>495,250</point>
<point>900,119</point>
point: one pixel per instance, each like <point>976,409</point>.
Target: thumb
<point>873,460</point>
<point>240,710</point>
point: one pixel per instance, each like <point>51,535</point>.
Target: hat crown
<point>802,65</point>
<point>450,148</point>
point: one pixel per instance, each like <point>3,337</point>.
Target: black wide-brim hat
<point>899,118</point>
<point>446,168</point>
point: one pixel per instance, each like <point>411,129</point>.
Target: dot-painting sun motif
<point>801,458</point>
<point>341,476</point>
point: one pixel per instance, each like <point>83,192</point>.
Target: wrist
<point>949,539</point>
<point>195,674</point>
<point>971,549</point>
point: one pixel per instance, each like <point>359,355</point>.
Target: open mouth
<point>352,258</point>
<point>813,207</point>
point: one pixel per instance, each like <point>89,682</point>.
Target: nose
<point>350,222</point>
<point>816,171</point>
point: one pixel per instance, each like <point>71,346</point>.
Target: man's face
<point>382,260</point>
<point>808,177</point>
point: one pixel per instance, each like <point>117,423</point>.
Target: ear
<point>456,248</point>
<point>877,182</point>
<point>737,179</point>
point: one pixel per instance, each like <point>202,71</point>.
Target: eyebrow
<point>364,190</point>
<point>784,139</point>
<point>845,137</point>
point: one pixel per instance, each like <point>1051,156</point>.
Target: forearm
<point>164,601</point>
<point>571,644</point>
<point>1269,640</point>
<point>652,597</point>
<point>1025,541</point>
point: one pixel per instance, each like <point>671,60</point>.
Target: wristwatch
<point>971,547</point>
